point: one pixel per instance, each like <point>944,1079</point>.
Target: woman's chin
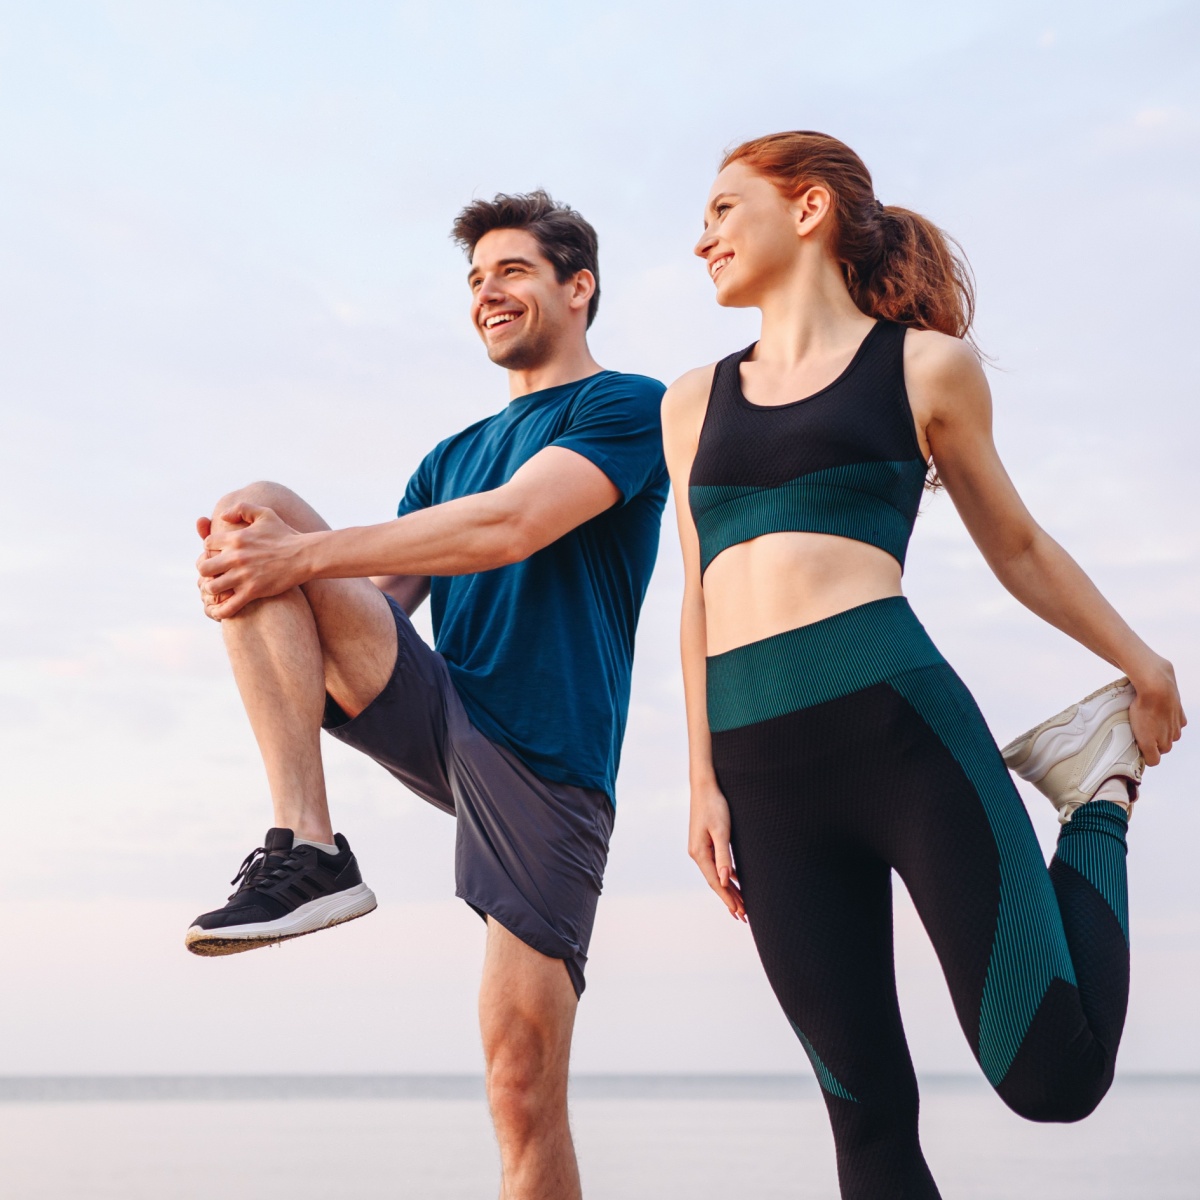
<point>733,298</point>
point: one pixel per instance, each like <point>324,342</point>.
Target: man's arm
<point>553,493</point>
<point>408,591</point>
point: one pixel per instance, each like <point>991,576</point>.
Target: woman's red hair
<point>897,265</point>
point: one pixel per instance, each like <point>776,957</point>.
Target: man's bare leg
<point>335,635</point>
<point>527,1015</point>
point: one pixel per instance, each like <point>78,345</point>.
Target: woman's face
<point>751,238</point>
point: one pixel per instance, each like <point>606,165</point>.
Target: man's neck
<point>565,366</point>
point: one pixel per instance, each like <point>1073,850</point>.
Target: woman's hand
<point>1156,715</point>
<point>708,845</point>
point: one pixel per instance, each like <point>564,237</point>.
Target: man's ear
<point>583,288</point>
<point>810,209</point>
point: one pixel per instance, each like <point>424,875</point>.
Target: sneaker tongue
<point>278,839</point>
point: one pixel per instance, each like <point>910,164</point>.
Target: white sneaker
<point>1070,756</point>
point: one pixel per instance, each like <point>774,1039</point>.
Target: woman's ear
<point>810,208</point>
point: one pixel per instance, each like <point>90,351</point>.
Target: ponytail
<point>898,265</point>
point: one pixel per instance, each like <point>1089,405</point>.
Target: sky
<point>224,255</point>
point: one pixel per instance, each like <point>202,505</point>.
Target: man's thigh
<point>354,621</point>
<point>527,1005</point>
<point>357,631</point>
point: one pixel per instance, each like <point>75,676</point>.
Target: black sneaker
<point>283,891</point>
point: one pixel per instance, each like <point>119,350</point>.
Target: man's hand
<point>253,554</point>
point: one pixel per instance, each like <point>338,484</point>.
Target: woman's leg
<point>848,747</point>
<point>1037,960</point>
<point>820,909</point>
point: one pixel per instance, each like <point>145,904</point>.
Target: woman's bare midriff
<point>781,581</point>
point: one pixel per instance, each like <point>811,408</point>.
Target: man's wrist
<point>314,555</point>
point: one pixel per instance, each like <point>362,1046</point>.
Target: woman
<point>830,742</point>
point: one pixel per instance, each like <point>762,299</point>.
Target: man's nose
<point>490,291</point>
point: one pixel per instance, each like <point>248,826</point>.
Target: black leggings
<point>848,749</point>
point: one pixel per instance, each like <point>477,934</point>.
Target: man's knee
<point>526,1075</point>
<point>289,506</point>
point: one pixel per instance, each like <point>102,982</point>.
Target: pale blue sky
<point>224,255</point>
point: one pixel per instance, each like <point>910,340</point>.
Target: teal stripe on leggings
<point>1030,946</point>
<point>1093,843</point>
<point>816,663</point>
<point>825,1076</point>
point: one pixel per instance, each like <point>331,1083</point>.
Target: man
<point>535,532</point>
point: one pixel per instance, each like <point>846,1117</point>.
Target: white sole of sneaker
<point>308,918</point>
<point>1062,736</point>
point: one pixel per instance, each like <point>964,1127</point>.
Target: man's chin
<point>527,354</point>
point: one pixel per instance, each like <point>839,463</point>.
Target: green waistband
<point>844,653</point>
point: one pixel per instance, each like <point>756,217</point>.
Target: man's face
<point>517,304</point>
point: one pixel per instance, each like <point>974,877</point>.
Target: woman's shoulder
<point>944,379</point>
<point>688,395</point>
<point>683,409</point>
<point>931,357</point>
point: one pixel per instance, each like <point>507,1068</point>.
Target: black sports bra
<point>845,460</point>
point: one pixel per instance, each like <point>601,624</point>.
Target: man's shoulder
<point>619,389</point>
<point>624,383</point>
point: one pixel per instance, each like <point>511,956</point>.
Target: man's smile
<point>496,320</point>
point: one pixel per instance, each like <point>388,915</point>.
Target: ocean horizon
<point>666,1136</point>
<point>451,1085</point>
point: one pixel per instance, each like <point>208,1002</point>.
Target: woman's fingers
<point>722,857</point>
<point>726,875</point>
<point>1157,717</point>
<point>709,847</point>
<point>722,878</point>
<point>704,857</point>
<point>703,851</point>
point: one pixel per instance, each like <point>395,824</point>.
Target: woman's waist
<point>814,663</point>
<point>783,581</point>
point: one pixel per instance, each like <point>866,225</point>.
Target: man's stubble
<point>525,354</point>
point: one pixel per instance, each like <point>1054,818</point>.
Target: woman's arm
<point>708,838</point>
<point>952,403</point>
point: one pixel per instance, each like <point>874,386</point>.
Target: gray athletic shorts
<point>528,852</point>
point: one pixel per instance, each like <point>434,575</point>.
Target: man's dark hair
<point>563,236</point>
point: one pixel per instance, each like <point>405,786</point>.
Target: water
<point>666,1138</point>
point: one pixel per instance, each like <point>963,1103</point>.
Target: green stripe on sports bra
<point>872,502</point>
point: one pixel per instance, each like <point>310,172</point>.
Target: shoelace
<point>257,868</point>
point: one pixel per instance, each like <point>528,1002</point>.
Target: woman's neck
<point>809,312</point>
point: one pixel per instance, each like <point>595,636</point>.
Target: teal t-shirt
<point>541,651</point>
